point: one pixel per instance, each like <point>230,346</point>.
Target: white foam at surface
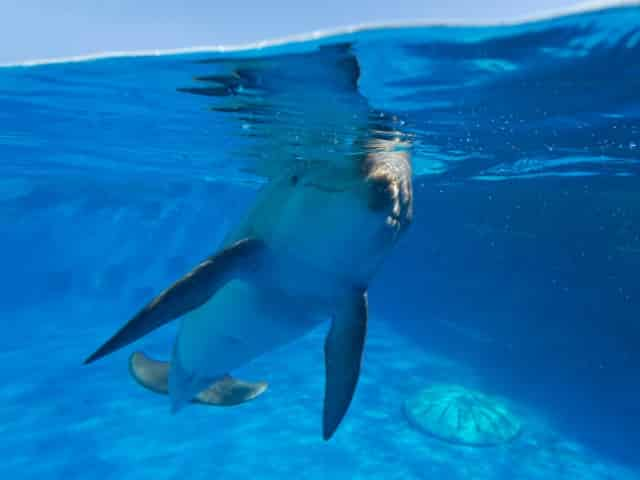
<point>579,8</point>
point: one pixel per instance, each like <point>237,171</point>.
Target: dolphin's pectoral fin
<point>154,375</point>
<point>343,353</point>
<point>186,294</point>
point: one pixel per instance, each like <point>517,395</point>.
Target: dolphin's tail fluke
<point>185,385</point>
<point>228,391</point>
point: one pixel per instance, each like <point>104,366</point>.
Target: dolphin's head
<point>387,171</point>
<point>341,218</point>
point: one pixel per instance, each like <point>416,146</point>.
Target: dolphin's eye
<point>294,180</point>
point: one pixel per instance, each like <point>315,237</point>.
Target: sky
<point>37,29</point>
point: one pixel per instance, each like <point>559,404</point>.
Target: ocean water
<point>518,277</point>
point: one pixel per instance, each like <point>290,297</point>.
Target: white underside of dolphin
<point>304,253</point>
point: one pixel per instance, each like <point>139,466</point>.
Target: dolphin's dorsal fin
<point>153,375</point>
<point>343,353</point>
<point>188,293</point>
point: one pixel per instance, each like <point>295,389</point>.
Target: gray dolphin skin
<point>304,253</point>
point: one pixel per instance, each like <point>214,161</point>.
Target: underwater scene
<point>403,252</point>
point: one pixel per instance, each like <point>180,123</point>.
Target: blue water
<point>518,276</point>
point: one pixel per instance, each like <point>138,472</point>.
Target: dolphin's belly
<point>236,325</point>
<point>325,233</point>
<point>325,241</point>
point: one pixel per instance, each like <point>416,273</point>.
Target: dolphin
<point>305,251</point>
